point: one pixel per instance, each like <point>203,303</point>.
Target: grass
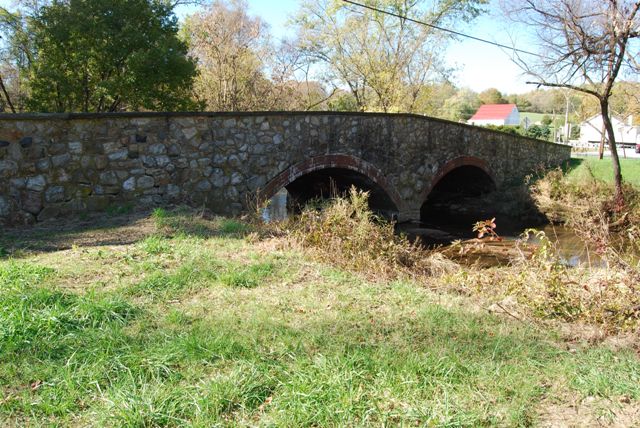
<point>211,329</point>
<point>583,169</point>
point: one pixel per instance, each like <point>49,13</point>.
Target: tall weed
<point>346,233</point>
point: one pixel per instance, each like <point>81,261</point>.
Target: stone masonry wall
<point>54,165</point>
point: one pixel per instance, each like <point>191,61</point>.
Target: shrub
<point>345,232</point>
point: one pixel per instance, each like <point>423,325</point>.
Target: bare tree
<point>585,45</point>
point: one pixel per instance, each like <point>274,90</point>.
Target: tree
<point>584,45</point>
<point>491,96</point>
<point>15,58</point>
<point>386,62</point>
<point>230,47</point>
<point>461,106</point>
<point>96,56</point>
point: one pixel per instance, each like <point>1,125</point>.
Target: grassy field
<point>179,321</point>
<point>584,168</point>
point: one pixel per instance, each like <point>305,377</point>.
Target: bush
<point>345,232</point>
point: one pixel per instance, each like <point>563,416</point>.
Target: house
<point>625,133</point>
<point>496,114</point>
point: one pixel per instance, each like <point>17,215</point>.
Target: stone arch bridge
<point>55,164</point>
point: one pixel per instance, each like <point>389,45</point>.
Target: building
<point>591,130</point>
<point>496,114</point>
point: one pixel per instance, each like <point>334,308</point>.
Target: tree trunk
<point>602,138</point>
<point>617,173</point>
<point>6,95</point>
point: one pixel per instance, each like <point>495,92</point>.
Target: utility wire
<point>446,30</point>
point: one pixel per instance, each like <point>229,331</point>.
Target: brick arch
<point>453,164</point>
<point>318,163</point>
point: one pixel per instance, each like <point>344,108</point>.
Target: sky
<point>479,66</point>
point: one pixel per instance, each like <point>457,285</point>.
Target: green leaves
<point>96,56</point>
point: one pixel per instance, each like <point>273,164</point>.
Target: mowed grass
<point>583,170</point>
<point>187,328</point>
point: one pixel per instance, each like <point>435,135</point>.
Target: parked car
<point>638,148</point>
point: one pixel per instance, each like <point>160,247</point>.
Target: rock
<point>18,183</point>
<point>75,147</point>
<point>119,155</point>
<point>189,133</point>
<point>109,178</point>
<point>173,191</point>
<point>43,165</point>
<point>26,142</point>
<point>37,183</point>
<point>54,194</point>
<point>157,149</point>
<point>5,208</point>
<point>162,161</point>
<point>129,185</point>
<point>60,160</point>
<point>203,186</point>
<point>145,182</point>
<point>7,168</point>
<point>101,162</point>
<point>32,202</point>
<point>148,161</point>
<point>236,178</point>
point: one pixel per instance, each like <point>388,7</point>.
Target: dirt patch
<point>591,412</point>
<point>96,230</point>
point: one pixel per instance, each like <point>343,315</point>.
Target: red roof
<point>493,111</point>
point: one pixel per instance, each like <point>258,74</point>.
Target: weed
<point>155,244</point>
<point>115,210</point>
<point>247,276</point>
<point>233,227</point>
<point>346,233</point>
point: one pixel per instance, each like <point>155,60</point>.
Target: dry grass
<point>347,234</point>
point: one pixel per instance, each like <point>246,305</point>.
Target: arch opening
<point>326,183</point>
<point>456,198</point>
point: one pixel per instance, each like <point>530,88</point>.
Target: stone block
<point>75,147</point>
<point>5,208</point>
<point>109,178</point>
<point>129,185</point>
<point>32,202</point>
<point>203,186</point>
<point>157,149</point>
<point>54,194</point>
<point>60,160</point>
<point>8,168</point>
<point>37,183</point>
<point>145,182</point>
<point>119,155</point>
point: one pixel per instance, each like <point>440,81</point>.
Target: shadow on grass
<point>572,164</point>
<point>115,228</point>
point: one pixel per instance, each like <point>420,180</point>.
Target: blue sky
<point>480,66</point>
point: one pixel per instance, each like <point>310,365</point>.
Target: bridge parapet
<point>56,164</point>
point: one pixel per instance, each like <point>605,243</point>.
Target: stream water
<point>570,248</point>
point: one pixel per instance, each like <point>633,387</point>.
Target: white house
<point>496,114</point>
<point>625,133</point>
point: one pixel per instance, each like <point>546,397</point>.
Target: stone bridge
<point>58,164</point>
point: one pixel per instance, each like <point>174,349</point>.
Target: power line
<point>446,30</point>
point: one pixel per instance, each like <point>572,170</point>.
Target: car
<point>638,148</point>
